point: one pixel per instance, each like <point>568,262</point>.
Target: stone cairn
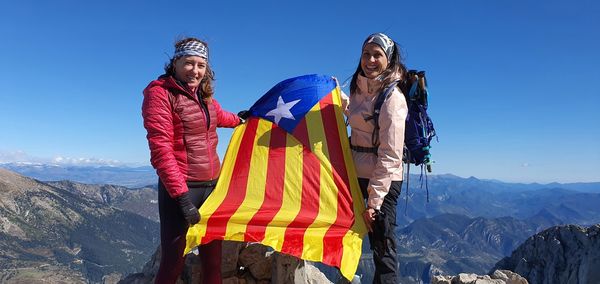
<point>497,277</point>
<point>242,263</point>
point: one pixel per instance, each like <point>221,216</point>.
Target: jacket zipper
<point>204,107</point>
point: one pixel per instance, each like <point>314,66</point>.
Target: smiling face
<point>373,60</point>
<point>190,70</point>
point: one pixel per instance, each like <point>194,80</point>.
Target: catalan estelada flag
<point>288,179</point>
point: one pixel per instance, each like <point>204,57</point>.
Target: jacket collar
<point>173,85</point>
<point>368,86</point>
<point>372,87</point>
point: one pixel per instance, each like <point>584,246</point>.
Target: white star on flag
<point>282,110</point>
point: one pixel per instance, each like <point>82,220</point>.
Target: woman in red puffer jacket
<point>181,117</point>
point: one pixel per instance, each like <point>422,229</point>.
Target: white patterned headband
<point>191,48</point>
<point>386,43</point>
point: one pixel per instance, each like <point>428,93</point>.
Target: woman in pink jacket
<point>181,117</point>
<point>378,155</point>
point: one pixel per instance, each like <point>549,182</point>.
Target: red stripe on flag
<point>309,206</point>
<point>256,227</point>
<point>216,226</point>
<point>301,133</point>
<point>345,213</point>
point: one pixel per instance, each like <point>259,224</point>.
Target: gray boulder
<point>562,254</point>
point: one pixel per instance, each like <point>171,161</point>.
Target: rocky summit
<point>561,254</point>
<point>243,263</point>
<point>497,277</point>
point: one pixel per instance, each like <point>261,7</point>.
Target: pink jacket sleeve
<point>392,120</point>
<point>225,118</point>
<point>158,121</point>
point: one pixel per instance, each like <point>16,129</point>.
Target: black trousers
<point>173,229</point>
<point>383,237</point>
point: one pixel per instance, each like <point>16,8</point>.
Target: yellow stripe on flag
<point>352,242</point>
<point>357,198</point>
<point>313,237</point>
<point>196,232</point>
<point>255,193</point>
<point>292,190</point>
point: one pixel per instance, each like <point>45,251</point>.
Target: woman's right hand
<point>190,212</point>
<point>243,115</point>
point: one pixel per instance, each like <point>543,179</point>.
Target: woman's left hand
<point>369,217</point>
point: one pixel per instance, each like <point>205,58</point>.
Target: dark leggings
<point>383,237</point>
<point>173,229</point>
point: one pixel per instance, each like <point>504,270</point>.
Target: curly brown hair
<point>206,85</point>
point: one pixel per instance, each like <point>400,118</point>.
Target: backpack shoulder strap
<point>377,109</point>
<point>382,97</point>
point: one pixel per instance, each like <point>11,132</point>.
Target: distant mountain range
<point>470,224</point>
<point>133,177</point>
<point>141,201</point>
<point>451,244</point>
<point>574,203</point>
<point>117,175</point>
<point>80,222</point>
<point>67,236</point>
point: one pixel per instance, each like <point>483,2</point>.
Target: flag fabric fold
<point>288,179</point>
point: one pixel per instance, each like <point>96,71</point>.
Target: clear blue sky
<point>514,84</point>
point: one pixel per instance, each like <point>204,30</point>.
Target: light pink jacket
<point>386,166</point>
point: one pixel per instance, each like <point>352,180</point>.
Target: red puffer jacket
<point>183,144</point>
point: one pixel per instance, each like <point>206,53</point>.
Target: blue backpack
<point>419,129</point>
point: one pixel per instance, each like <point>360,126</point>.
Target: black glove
<point>244,114</point>
<point>190,212</point>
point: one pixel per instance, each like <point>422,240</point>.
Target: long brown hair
<point>206,84</point>
<point>395,67</point>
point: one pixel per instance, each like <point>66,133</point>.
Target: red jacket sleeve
<point>225,118</point>
<point>158,121</point>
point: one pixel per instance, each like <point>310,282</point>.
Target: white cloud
<point>17,157</point>
<point>85,161</point>
<point>22,157</point>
